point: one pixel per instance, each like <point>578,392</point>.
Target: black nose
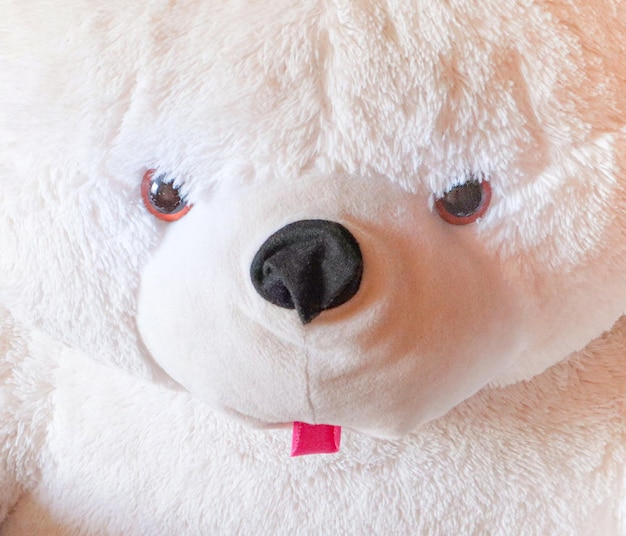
<point>310,266</point>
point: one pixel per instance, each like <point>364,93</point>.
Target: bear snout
<point>309,266</point>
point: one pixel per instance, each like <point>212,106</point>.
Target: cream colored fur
<point>479,372</point>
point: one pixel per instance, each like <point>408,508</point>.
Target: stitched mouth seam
<point>307,377</point>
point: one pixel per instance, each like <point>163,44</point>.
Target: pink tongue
<point>315,439</point>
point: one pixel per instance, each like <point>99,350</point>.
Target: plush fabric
<point>127,457</point>
<point>401,219</point>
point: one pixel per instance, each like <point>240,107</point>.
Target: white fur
<point>271,112</point>
<point>545,457</point>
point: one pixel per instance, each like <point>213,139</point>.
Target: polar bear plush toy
<point>231,231</point>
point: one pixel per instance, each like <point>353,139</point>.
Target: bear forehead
<point>366,88</point>
<point>416,91</point>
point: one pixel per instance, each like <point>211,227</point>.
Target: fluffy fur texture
<point>478,372</point>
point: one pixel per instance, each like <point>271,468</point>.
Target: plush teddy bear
<point>390,234</point>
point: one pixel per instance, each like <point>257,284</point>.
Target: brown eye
<point>162,198</point>
<point>465,203</point>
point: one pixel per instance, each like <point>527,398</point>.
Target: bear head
<point>356,213</point>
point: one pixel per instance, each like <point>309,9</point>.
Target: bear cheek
<point>193,320</point>
<point>443,326</point>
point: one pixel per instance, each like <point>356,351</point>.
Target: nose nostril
<point>310,266</point>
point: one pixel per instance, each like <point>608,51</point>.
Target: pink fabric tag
<point>315,439</point>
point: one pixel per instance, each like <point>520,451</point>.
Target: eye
<point>162,198</point>
<point>465,203</point>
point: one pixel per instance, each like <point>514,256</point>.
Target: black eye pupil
<point>164,196</point>
<point>464,200</point>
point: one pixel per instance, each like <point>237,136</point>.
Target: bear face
<point>360,114</point>
<point>381,356</point>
